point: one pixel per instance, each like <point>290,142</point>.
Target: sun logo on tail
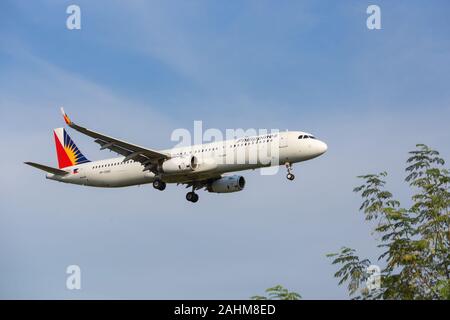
<point>66,150</point>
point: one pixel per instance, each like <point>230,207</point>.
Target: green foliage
<point>353,270</point>
<point>415,240</point>
<point>278,293</point>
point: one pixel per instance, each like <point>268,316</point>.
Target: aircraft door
<point>283,139</point>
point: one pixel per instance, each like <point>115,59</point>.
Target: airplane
<point>199,166</point>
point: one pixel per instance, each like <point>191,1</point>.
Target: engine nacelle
<point>227,184</point>
<point>179,165</point>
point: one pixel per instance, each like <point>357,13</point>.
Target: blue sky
<point>138,70</point>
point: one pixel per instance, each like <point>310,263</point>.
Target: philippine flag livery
<point>67,152</point>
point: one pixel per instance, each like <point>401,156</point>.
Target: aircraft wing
<point>201,182</point>
<point>130,151</point>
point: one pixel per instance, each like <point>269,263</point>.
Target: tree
<point>278,293</point>
<point>414,241</point>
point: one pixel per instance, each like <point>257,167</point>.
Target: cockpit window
<point>304,136</point>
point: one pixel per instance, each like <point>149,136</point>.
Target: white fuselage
<point>217,158</point>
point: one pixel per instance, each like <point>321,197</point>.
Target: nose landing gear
<point>289,175</point>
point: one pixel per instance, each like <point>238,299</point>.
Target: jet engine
<point>179,165</point>
<point>227,184</point>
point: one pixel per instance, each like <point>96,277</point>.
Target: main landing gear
<point>159,184</point>
<point>289,175</point>
<point>192,196</point>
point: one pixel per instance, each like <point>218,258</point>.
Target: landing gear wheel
<point>158,184</point>
<point>289,175</point>
<point>192,197</point>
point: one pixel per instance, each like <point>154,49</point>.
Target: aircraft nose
<point>322,147</point>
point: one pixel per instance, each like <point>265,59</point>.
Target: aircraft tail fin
<point>66,150</point>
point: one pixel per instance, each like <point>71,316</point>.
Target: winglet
<point>66,117</point>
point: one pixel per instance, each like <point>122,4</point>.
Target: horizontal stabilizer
<point>47,169</point>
